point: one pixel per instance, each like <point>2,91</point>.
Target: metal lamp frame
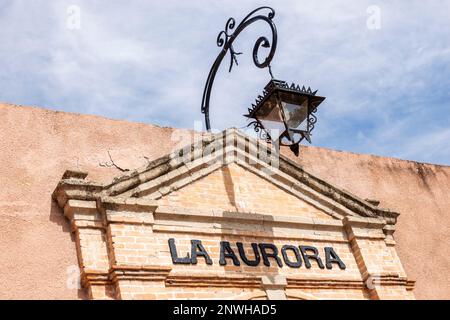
<point>225,39</point>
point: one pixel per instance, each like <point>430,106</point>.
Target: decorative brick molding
<point>122,229</point>
<point>275,286</point>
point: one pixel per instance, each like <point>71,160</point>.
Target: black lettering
<point>332,257</point>
<point>227,252</point>
<point>174,254</point>
<point>197,250</point>
<point>248,262</point>
<point>314,256</point>
<point>292,264</point>
<point>265,255</point>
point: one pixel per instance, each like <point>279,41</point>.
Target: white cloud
<point>148,61</point>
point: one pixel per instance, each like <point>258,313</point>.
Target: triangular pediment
<point>236,168</point>
<point>233,188</point>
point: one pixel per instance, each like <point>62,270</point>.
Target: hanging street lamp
<point>283,114</point>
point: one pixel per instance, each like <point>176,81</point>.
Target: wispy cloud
<point>387,89</point>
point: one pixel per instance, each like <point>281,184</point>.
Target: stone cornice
<point>116,273</point>
<point>98,214</point>
<point>191,279</point>
<point>183,166</point>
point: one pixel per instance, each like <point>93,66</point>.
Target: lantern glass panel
<point>296,114</point>
<point>270,117</point>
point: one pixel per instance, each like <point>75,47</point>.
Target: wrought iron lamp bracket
<point>225,40</point>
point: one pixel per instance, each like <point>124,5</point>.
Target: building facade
<point>227,218</point>
<point>104,209</point>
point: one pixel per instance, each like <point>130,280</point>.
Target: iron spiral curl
<point>225,40</point>
<point>263,135</point>
<point>312,120</point>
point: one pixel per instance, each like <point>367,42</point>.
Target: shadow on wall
<point>57,216</point>
<point>229,186</point>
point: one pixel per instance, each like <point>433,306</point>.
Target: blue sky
<point>387,82</point>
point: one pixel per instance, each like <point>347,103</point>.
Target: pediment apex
<point>211,152</point>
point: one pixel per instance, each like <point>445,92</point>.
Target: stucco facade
<point>42,237</point>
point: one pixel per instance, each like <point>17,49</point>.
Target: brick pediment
<point>162,231</point>
<point>235,168</point>
<point>232,188</point>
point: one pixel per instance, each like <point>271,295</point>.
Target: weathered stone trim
<point>410,284</point>
<point>263,218</point>
<point>225,281</point>
<point>161,273</point>
<point>212,281</point>
<point>251,234</point>
<point>141,273</point>
<point>92,277</point>
<point>116,273</point>
<point>298,283</point>
<point>76,188</point>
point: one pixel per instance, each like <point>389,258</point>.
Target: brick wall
<point>234,189</point>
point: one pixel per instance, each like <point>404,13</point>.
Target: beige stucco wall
<point>37,146</point>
